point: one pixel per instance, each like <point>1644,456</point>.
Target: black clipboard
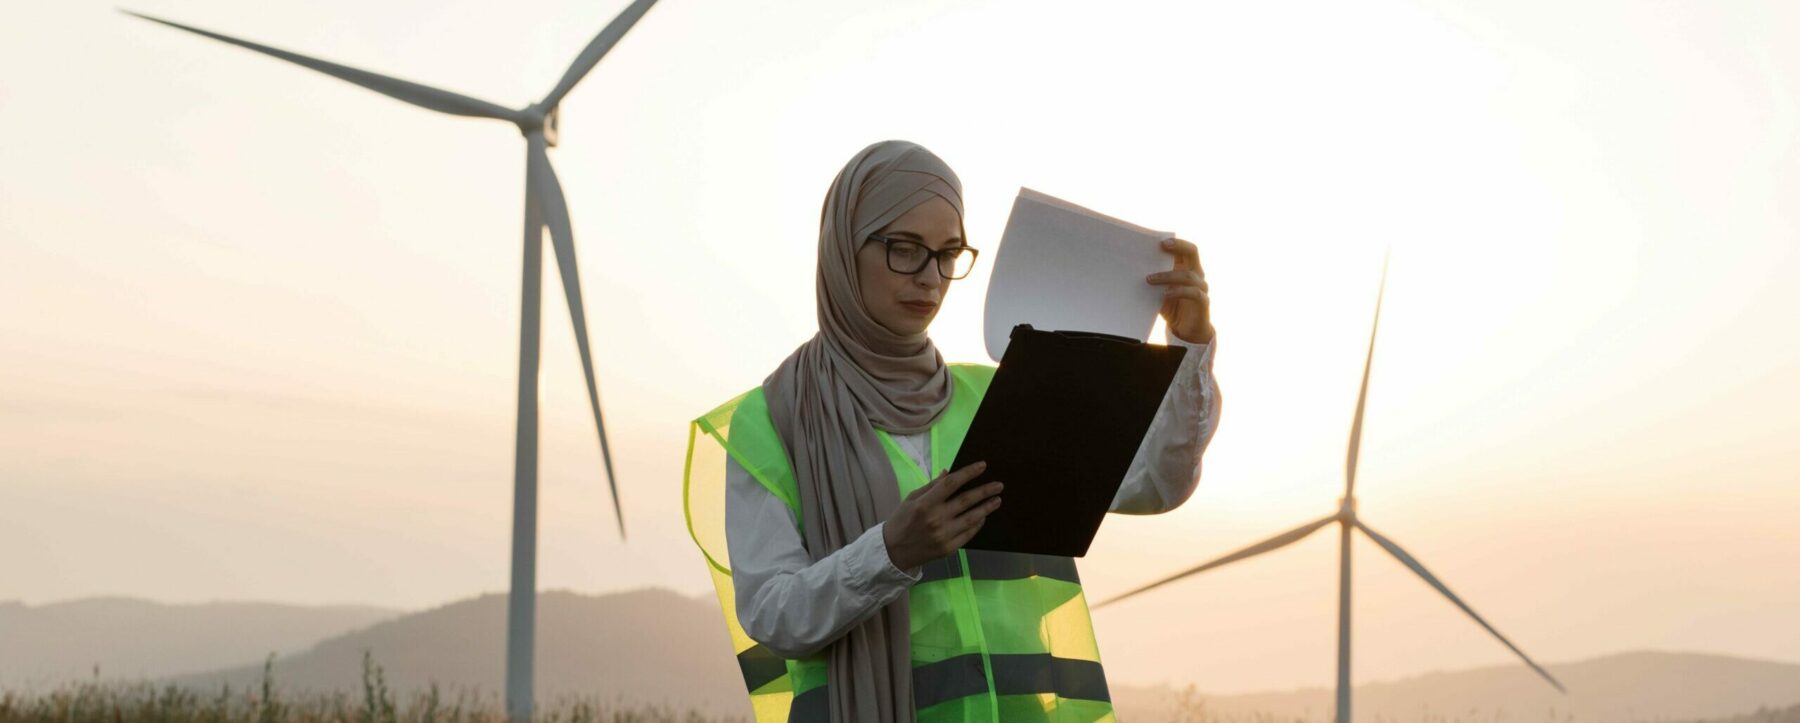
<point>1060,424</point>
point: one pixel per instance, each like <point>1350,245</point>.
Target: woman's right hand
<point>935,521</point>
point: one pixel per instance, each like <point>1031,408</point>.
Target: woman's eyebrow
<point>952,241</point>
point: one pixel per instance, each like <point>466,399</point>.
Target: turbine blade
<point>597,49</point>
<point>420,95</point>
<point>1282,540</point>
<point>1362,394</point>
<point>562,237</point>
<point>1412,562</point>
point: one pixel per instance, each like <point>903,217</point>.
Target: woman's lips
<point>918,308</point>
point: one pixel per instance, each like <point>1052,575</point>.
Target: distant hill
<point>655,646</point>
<point>1790,714</point>
<point>1636,686</point>
<point>43,646</point>
<point>641,647</point>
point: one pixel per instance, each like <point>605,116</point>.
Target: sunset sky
<point>259,327</point>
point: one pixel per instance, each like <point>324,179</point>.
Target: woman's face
<point>906,304</point>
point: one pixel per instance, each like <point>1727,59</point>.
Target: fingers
<point>1186,253</point>
<point>1178,277</point>
<point>940,520</point>
<point>972,521</point>
<point>978,512</point>
<point>1187,292</point>
<point>946,486</point>
<point>961,503</point>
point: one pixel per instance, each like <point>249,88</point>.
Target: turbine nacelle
<point>1347,510</point>
<point>534,119</point>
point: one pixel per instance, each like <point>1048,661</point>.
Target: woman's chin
<point>908,327</point>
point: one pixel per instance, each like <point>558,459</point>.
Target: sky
<point>259,327</point>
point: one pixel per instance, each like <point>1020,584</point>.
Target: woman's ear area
<point>870,266</point>
<point>869,252</point>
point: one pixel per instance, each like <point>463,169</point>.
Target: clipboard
<point>1060,424</point>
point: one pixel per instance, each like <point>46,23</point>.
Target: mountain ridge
<point>55,642</point>
<point>654,646</point>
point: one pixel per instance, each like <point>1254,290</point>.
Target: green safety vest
<point>996,636</point>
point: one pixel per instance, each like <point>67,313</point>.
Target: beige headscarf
<point>830,395</point>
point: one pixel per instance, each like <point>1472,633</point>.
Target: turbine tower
<point>544,207</point>
<point>1348,520</point>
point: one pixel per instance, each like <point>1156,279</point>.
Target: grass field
<point>111,702</point>
<point>99,701</point>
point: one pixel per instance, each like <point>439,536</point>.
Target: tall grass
<point>97,701</point>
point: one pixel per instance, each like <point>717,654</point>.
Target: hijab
<point>851,378</point>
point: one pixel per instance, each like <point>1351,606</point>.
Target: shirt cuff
<point>872,568</point>
<point>1204,349</point>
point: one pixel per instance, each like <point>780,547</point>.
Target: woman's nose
<point>929,277</point>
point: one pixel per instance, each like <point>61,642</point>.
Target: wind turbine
<point>544,206</point>
<point>1348,520</point>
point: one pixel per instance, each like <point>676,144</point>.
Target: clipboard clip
<point>1086,336</point>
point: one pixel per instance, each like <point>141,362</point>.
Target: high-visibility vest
<point>996,636</point>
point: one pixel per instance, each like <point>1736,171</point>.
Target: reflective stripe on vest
<point>995,635</point>
<point>960,676</point>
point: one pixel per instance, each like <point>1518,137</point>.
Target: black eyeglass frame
<point>946,254</point>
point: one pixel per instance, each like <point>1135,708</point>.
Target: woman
<point>845,586</point>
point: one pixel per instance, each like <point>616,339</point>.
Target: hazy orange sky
<point>258,327</point>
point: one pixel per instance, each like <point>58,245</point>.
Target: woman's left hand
<point>1186,306</point>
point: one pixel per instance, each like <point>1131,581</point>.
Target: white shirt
<point>796,607</point>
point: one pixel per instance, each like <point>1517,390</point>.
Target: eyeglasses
<point>910,257</point>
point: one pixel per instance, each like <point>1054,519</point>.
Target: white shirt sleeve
<point>785,600</point>
<point>1167,466</point>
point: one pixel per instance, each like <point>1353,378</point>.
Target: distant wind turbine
<point>1346,517</point>
<point>544,206</point>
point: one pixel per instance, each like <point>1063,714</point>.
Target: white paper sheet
<point>1061,267</point>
